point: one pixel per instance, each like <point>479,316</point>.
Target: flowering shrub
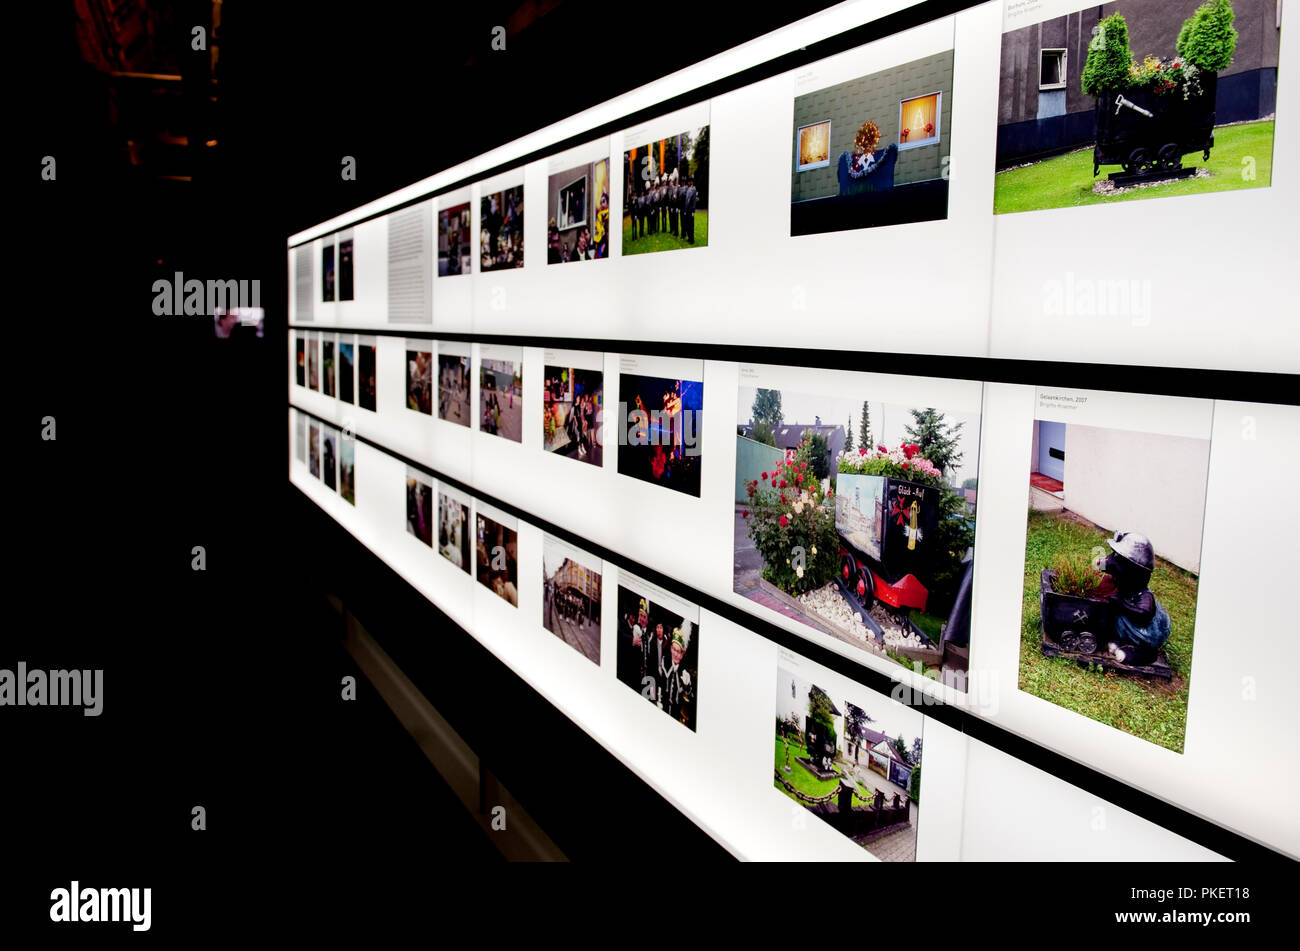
<point>788,511</point>
<point>1162,76</point>
<point>904,462</point>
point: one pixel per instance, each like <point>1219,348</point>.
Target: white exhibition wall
<point>973,285</point>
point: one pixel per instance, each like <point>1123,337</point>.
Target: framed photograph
<point>573,406</point>
<point>666,184</point>
<point>454,251</point>
<point>578,213</point>
<point>501,230</point>
<point>454,529</point>
<point>813,146</point>
<point>496,557</point>
<point>419,379</point>
<point>348,469</point>
<point>347,369</point>
<point>453,388</point>
<point>419,506</point>
<point>919,119</point>
<point>659,648</point>
<point>367,389</point>
<point>571,597</point>
<point>500,397</point>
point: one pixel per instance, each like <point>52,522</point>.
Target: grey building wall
<point>874,97</point>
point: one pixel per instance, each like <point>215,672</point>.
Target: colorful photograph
<point>666,193</point>
<point>327,271</point>
<point>856,766</point>
<point>500,402</point>
<point>454,250</point>
<point>419,507</point>
<point>419,381</point>
<point>329,456</point>
<point>873,151</point>
<point>659,431</point>
<point>347,470</point>
<point>573,414</point>
<point>346,371</point>
<point>313,449</point>
<point>327,366</point>
<point>1112,568</point>
<point>1137,99</point>
<point>366,376</point>
<point>856,518</point>
<point>578,210</point>
<point>497,558</point>
<point>453,388</point>
<point>313,363</point>
<point>300,345</point>
<point>345,269</point>
<point>658,651</point>
<point>571,598</point>
<point>501,233</point>
<point>453,531</point>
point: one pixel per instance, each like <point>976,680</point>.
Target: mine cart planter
<point>1147,133</point>
<point>884,527</point>
<point>1078,627</point>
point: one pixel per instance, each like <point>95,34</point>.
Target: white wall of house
<point>1140,482</point>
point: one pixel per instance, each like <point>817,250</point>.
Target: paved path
<point>584,636</point>
<point>896,846</point>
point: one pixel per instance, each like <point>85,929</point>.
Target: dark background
<point>221,687</point>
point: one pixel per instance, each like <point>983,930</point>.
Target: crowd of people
<point>453,389</point>
<point>656,659</point>
<point>497,555</point>
<point>419,381</point>
<point>664,205</point>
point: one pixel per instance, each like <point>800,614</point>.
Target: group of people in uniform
<point>664,205</point>
<point>653,661</point>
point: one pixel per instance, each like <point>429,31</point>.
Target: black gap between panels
<point>1248,386</point>
<point>1187,824</point>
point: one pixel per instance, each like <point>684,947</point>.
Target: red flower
<point>783,483</point>
<point>906,464</point>
<point>764,476</point>
<point>803,465</point>
<point>881,449</point>
<point>862,451</point>
<point>744,513</point>
<point>799,478</point>
<point>784,521</point>
<point>782,498</point>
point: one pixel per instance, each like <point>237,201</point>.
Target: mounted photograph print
<point>666,183</point>
<point>577,206</point>
<point>454,250</point>
<point>300,346</point>
<point>313,362</point>
<point>1135,99</point>
<point>659,647</point>
<point>327,366</point>
<point>313,449</point>
<point>327,271</point>
<point>347,369</point>
<point>329,456</point>
<point>366,384</point>
<point>300,437</point>
<point>419,377</point>
<point>348,469</point>
<point>874,150</point>
<point>496,556</point>
<point>855,509</point>
<point>659,424</point>
<point>1117,487</point>
<point>573,402</point>
<point>501,230</point>
<point>500,402</point>
<point>453,387</point>
<point>419,506</point>
<point>850,756</point>
<point>453,529</point>
<point>571,597</point>
<point>345,269</point>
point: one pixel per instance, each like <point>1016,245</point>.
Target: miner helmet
<point>1134,548</point>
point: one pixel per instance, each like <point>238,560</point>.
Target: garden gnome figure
<point>1141,622</point>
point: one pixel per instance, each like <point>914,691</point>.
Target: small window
<point>813,146</point>
<point>918,121</point>
<point>1051,71</point>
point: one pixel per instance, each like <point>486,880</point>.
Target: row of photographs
<point>1166,99</point>
<point>847,755</point>
<point>855,504</point>
<point>329,454</point>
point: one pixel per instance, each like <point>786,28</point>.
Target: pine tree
<point>848,435</point>
<point>936,439</point>
<point>864,428</point>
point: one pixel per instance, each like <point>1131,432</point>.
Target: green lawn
<point>1154,711</point>
<point>801,779</point>
<point>1066,181</point>
<point>663,241</point>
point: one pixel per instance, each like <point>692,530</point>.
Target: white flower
<point>799,571</point>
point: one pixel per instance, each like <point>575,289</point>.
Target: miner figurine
<point>1141,622</point>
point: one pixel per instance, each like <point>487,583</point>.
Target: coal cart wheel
<point>1170,157</point>
<point>866,588</point>
<point>1139,162</point>
<point>1087,643</point>
<point>1069,640</point>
